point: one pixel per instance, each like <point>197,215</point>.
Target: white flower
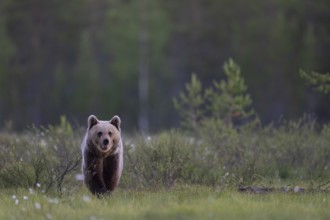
<point>53,201</point>
<point>13,197</point>
<point>31,191</point>
<point>296,189</point>
<point>25,197</point>
<point>43,143</point>
<point>38,185</point>
<point>86,198</point>
<point>16,202</point>
<point>79,177</point>
<point>48,216</point>
<point>37,205</point>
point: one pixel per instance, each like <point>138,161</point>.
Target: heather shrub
<point>45,158</point>
<point>226,158</point>
<point>48,159</point>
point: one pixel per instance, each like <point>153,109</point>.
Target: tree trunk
<point>143,68</point>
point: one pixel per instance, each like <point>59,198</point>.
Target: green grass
<point>182,202</point>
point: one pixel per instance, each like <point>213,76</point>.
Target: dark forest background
<point>131,58</point>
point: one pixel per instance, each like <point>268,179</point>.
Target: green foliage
<point>221,156</point>
<point>157,161</point>
<point>168,159</point>
<point>41,157</point>
<point>319,82</point>
<point>190,106</point>
<point>227,101</point>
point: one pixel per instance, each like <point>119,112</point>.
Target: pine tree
<point>190,105</point>
<point>227,101</point>
<point>318,81</point>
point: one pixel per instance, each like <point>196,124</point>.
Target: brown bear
<point>102,155</point>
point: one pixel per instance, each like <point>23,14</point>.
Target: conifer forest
<point>74,58</point>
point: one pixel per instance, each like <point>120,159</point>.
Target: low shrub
<point>42,158</point>
<point>218,155</point>
<point>225,157</point>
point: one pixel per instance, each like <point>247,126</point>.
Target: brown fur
<point>102,155</point>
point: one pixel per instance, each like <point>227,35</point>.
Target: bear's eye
<point>110,133</point>
<point>99,134</point>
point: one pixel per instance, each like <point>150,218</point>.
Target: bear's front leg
<point>93,172</point>
<point>112,169</point>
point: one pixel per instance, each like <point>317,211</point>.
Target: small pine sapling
<point>190,104</point>
<point>229,100</point>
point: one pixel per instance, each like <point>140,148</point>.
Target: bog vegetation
<point>221,144</point>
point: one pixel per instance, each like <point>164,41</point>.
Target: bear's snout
<point>105,142</point>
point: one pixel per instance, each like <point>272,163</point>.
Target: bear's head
<point>104,135</point>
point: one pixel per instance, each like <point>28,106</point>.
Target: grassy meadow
<point>180,202</point>
<point>172,175</point>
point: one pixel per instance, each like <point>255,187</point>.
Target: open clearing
<point>182,202</point>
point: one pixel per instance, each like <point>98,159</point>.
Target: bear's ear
<point>92,120</point>
<point>115,121</point>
